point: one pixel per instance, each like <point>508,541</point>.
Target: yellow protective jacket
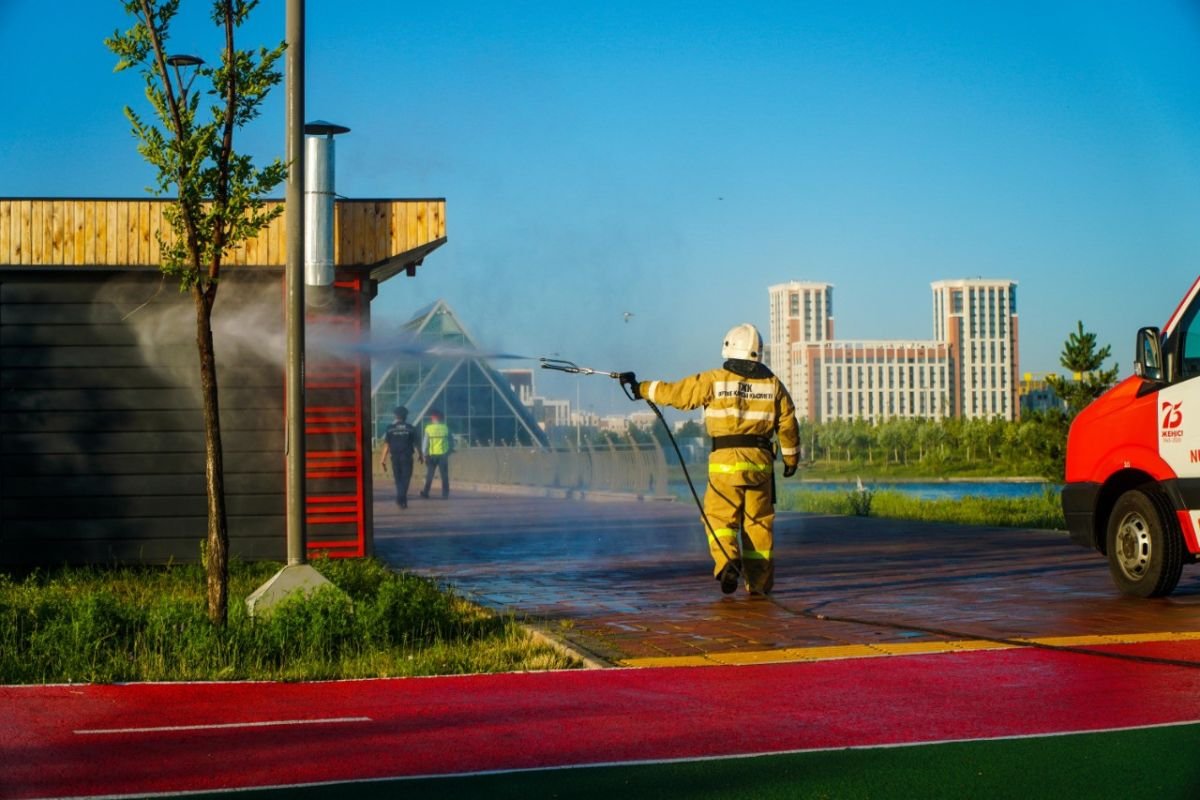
<point>736,404</point>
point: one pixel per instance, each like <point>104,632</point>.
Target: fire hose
<point>571,367</point>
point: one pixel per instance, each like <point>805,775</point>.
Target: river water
<point>935,490</point>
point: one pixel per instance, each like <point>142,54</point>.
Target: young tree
<point>933,437</point>
<point>838,437</point>
<point>892,440</point>
<point>218,197</point>
<point>908,433</point>
<point>1089,380</point>
<point>862,440</point>
<point>1042,436</point>
<point>1081,356</point>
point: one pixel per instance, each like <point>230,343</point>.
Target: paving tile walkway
<point>628,582</point>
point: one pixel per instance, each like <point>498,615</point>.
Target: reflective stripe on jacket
<point>734,404</point>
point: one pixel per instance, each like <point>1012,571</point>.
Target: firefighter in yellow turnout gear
<point>745,405</point>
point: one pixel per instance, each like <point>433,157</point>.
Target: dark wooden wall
<point>101,428</point>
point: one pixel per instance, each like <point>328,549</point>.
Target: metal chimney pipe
<point>318,207</point>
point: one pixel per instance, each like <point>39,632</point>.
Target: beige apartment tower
<point>801,314</point>
<point>977,318</point>
<point>968,370</point>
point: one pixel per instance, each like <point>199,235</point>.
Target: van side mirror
<point>1147,361</point>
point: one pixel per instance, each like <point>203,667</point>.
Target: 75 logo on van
<point>1172,420</point>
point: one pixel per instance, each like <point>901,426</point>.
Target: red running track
<point>144,738</point>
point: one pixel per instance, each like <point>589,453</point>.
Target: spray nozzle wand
<point>570,366</point>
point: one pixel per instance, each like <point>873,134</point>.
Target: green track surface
<point>1152,763</point>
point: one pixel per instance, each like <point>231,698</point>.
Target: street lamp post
<point>298,575</point>
<point>294,279</point>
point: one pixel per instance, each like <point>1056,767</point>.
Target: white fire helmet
<point>743,342</point>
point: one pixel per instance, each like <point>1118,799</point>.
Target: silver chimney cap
<point>320,127</point>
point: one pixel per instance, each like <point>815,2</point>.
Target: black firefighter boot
<point>728,576</point>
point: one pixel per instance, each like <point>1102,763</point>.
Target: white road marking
<point>222,726</point>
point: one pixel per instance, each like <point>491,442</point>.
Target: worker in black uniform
<point>400,442</point>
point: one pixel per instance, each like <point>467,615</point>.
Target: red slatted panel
<point>333,422</point>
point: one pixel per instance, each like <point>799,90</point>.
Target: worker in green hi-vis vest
<point>436,445</point>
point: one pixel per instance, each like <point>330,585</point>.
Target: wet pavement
<point>626,582</point>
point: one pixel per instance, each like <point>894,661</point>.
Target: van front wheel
<point>1145,546</point>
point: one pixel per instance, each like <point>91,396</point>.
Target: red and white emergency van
<point>1133,461</point>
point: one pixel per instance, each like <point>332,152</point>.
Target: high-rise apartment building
<point>978,319</point>
<point>801,314</point>
<point>967,370</point>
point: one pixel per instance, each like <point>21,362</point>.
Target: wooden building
<point>101,427</point>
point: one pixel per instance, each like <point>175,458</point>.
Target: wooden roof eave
<point>383,236</point>
<point>406,262</point>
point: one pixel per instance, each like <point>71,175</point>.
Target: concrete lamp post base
<point>287,582</point>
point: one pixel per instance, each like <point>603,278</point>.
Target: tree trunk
<point>216,558</point>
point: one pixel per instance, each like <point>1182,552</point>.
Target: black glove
<point>789,470</point>
<point>630,381</point>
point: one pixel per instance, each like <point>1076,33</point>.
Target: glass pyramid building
<point>438,367</point>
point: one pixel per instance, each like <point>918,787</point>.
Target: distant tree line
<point>1034,446</point>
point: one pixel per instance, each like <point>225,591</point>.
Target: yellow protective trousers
<point>741,500</point>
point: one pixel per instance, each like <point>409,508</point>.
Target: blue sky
<point>676,159</point>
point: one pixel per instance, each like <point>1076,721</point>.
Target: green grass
<point>917,470</point>
<point>879,471</point>
<point>1042,511</point>
<point>1144,764</point>
<point>123,624</point>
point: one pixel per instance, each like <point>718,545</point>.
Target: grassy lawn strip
<point>1145,764</point>
<point>1042,512</point>
<point>121,624</point>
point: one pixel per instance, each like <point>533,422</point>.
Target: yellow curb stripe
<point>787,654</point>
<point>668,661</point>
<point>736,657</point>
<point>977,644</point>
